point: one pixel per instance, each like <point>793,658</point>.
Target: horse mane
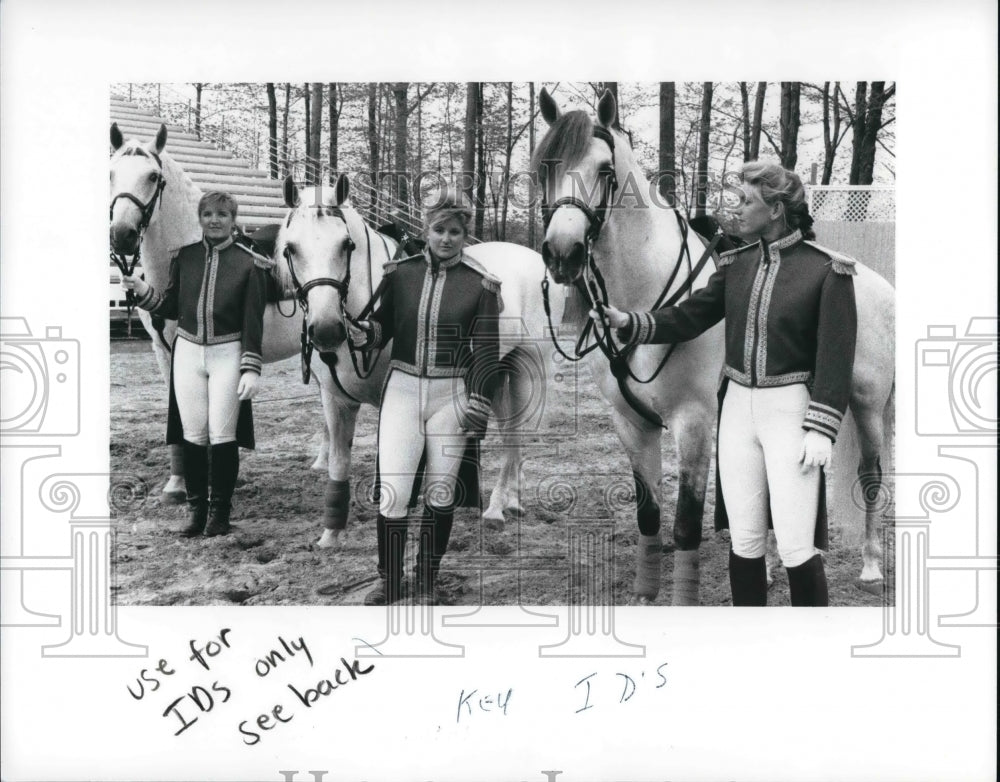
<point>178,218</point>
<point>568,141</point>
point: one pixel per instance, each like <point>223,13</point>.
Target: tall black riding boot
<point>391,535</point>
<point>807,583</point>
<point>747,580</point>
<point>435,531</point>
<point>196,478</point>
<point>225,468</point>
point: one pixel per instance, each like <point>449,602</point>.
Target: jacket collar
<point>453,261</point>
<point>220,246</point>
<point>771,251</point>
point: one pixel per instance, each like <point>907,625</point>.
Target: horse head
<point>576,167</point>
<point>313,250</point>
<point>137,180</point>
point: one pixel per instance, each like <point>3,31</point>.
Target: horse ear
<point>291,192</point>
<point>342,189</point>
<point>550,109</point>
<point>161,139</point>
<point>607,109</point>
<point>116,137</point>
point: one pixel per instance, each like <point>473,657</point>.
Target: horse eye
<point>153,177</point>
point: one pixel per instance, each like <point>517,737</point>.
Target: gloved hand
<point>135,283</point>
<point>362,335</point>
<point>817,451</point>
<point>247,389</point>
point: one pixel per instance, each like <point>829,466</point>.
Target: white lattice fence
<point>857,221</point>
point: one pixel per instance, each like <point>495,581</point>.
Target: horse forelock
<point>568,141</point>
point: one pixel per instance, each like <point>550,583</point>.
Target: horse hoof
<point>871,587</point>
<point>320,465</point>
<point>515,511</point>
<point>331,539</point>
<point>493,514</point>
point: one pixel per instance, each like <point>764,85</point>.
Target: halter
<point>591,283</point>
<point>146,211</point>
<point>367,362</point>
<point>597,218</point>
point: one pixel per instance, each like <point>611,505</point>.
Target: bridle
<point>125,266</point>
<point>591,283</point>
<point>342,286</point>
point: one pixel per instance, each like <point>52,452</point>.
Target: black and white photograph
<point>417,403</point>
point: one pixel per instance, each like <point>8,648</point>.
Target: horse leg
<point>174,491</point>
<point>693,430</point>
<point>643,448</point>
<point>322,462</point>
<point>502,408</point>
<point>871,437</point>
<point>341,418</point>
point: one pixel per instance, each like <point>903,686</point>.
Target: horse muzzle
<point>124,239</point>
<point>564,265</point>
<point>327,335</point>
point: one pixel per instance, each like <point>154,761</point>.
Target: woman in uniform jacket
<point>440,309</point>
<point>217,294</point>
<point>790,333</point>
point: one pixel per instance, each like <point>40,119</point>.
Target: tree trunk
<point>858,129</point>
<point>790,92</point>
<point>373,144</point>
<point>745,108</point>
<point>758,118</point>
<point>399,90</point>
<point>531,153</point>
<point>284,131</point>
<point>480,165</point>
<point>504,189</point>
<point>869,142</point>
<point>469,155</point>
<point>334,132</point>
<point>316,132</point>
<point>272,130</point>
<point>704,134</point>
<point>197,109</point>
<point>308,112</point>
<point>831,130</point>
<point>667,183</point>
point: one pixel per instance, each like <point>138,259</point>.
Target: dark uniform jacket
<point>790,318</point>
<point>216,294</point>
<point>442,318</point>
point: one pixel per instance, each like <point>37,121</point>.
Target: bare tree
<point>704,136</point>
<point>313,159</point>
<point>284,130</point>
<point>197,109</point>
<point>531,153</point>
<point>480,165</point>
<point>336,104</point>
<point>790,92</point>
<point>469,154</point>
<point>272,130</point>
<point>399,94</point>
<point>758,119</point>
<point>667,183</point>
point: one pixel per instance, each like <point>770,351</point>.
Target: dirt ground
<point>578,497</point>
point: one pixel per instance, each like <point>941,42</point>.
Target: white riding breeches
<point>419,412</point>
<point>760,441</point>
<point>206,379</point>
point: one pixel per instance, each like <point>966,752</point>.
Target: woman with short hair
<point>791,326</point>
<point>217,295</point>
<point>440,309</point>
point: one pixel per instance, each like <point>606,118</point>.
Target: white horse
<point>638,243</point>
<point>155,221</point>
<point>325,251</point>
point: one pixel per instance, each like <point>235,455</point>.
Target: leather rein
<point>591,283</point>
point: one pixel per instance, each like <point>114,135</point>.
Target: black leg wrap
<point>225,468</point>
<point>196,478</point>
<point>747,580</point>
<point>647,511</point>
<point>337,504</point>
<point>687,519</point>
<point>807,583</point>
<point>391,536</point>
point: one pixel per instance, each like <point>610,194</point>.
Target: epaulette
<point>260,261</point>
<point>841,264</point>
<point>729,256</point>
<point>390,266</point>
<point>490,281</point>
